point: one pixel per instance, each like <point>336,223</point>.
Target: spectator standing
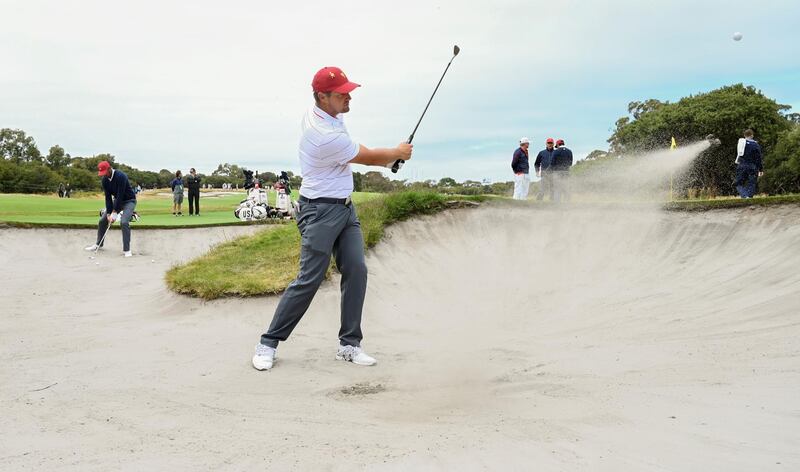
<point>562,161</point>
<point>542,167</point>
<point>749,165</point>
<point>193,184</point>
<point>177,194</point>
<point>520,164</point>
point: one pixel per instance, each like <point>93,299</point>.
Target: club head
<point>456,50</point>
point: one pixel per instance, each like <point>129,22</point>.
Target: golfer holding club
<point>120,203</point>
<point>327,219</point>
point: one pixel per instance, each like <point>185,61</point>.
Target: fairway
<point>154,208</point>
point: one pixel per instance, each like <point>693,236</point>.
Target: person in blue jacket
<point>562,161</point>
<point>177,194</point>
<point>542,166</point>
<point>120,205</point>
<point>749,165</point>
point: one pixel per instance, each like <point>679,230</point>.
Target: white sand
<point>507,339</point>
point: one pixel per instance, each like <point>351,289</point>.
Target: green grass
<point>266,262</point>
<point>730,202</point>
<point>155,210</point>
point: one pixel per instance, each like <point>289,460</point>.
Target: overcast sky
<point>168,84</point>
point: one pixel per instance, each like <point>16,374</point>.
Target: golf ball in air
<point>737,36</point>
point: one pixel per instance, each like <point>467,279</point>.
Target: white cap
<point>524,141</point>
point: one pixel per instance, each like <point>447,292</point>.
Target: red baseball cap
<point>102,167</point>
<point>332,79</point>
<point>560,142</point>
<point>549,140</point>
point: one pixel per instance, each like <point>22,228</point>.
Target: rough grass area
<point>732,202</point>
<point>266,262</point>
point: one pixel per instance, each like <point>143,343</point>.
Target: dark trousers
<point>545,185</point>
<point>194,201</point>
<point>560,186</point>
<point>746,180</point>
<point>325,229</point>
<point>124,222</point>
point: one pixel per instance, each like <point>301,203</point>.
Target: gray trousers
<point>125,224</point>
<point>546,185</point>
<point>560,186</point>
<point>325,229</point>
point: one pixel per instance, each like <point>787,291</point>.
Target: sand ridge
<point>571,338</point>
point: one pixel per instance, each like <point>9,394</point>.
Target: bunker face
<point>592,338</point>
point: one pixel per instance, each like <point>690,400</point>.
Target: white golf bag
<point>284,206</point>
<point>254,207</point>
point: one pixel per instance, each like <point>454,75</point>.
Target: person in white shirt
<point>327,220</point>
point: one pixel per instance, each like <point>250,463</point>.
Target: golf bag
<point>249,181</point>
<point>285,207</point>
<point>254,207</point>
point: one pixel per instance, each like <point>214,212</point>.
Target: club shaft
<point>398,163</point>
<point>410,138</point>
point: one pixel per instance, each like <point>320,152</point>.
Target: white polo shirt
<point>325,152</point>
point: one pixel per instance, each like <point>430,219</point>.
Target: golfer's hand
<point>760,174</point>
<point>404,151</point>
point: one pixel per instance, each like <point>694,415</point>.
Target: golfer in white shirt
<point>327,219</point>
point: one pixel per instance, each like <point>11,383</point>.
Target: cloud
<point>171,84</point>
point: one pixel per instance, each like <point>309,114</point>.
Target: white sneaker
<point>355,355</point>
<point>127,253</point>
<point>93,247</point>
<point>264,357</point>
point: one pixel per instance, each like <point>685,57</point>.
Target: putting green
<point>154,208</point>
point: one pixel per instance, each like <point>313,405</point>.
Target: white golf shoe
<point>127,253</point>
<point>355,355</point>
<point>93,247</point>
<point>264,357</point>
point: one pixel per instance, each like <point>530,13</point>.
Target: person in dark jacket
<point>193,184</point>
<point>120,205</point>
<point>542,166</point>
<point>749,165</point>
<point>520,164</point>
<point>562,161</point>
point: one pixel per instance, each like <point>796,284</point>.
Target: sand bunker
<point>586,338</point>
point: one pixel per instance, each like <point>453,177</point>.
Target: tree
<point>725,112</point>
<point>17,147</point>
<point>56,158</point>
<point>782,165</point>
<point>358,179</point>
<point>447,182</point>
<point>597,154</point>
<point>374,181</point>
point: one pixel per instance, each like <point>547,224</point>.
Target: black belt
<point>332,201</point>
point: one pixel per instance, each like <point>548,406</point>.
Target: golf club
<point>399,163</point>
<point>119,215</point>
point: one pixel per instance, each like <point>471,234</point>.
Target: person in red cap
<point>562,161</point>
<point>542,165</point>
<point>120,205</point>
<point>327,219</point>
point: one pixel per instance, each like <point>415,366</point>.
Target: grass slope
<point>266,262</point>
